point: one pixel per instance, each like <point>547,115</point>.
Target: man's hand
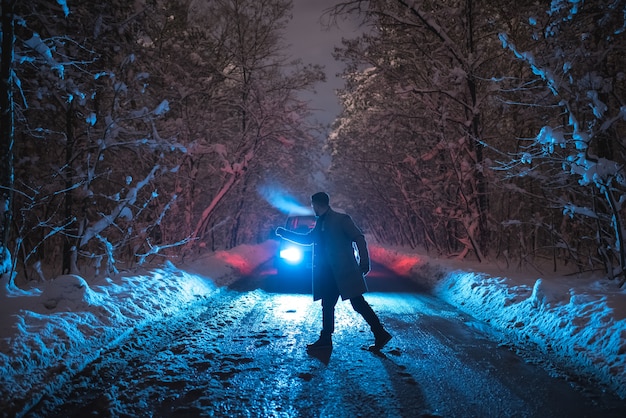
<point>280,231</point>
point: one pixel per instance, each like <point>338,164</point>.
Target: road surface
<point>241,353</point>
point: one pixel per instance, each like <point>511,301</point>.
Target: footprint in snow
<point>305,376</point>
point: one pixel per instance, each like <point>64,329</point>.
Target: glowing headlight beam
<point>276,196</point>
<point>292,255</point>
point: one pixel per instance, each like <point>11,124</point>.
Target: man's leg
<point>328,314</point>
<point>381,336</point>
<point>330,296</point>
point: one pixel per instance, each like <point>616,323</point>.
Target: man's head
<point>320,202</point>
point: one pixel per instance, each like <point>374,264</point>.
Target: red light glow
<point>399,263</point>
<point>237,261</point>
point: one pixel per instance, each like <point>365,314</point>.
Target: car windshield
<point>301,224</point>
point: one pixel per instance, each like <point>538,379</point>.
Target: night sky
<point>315,44</point>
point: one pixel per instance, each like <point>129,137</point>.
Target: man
<point>335,269</point>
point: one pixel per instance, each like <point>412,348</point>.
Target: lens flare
<point>276,196</point>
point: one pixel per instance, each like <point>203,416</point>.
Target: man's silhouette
<point>336,271</point>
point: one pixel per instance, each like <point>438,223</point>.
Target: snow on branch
<point>109,251</point>
<point>528,57</point>
<point>53,231</point>
<point>39,46</point>
<point>155,249</point>
<point>108,220</point>
<point>63,4</point>
<point>5,260</point>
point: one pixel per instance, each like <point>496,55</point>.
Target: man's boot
<point>324,342</point>
<point>381,338</point>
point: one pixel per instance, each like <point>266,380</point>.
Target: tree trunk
<point>69,243</point>
<point>7,133</point>
<point>234,236</point>
<point>476,145</point>
<point>203,223</point>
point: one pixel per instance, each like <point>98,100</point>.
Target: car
<point>293,258</point>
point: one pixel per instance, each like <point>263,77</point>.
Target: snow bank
<point>49,333</point>
<point>581,320</point>
<point>578,324</point>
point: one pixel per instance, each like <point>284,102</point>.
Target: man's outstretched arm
<point>295,237</point>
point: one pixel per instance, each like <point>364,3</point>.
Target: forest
<point>146,130</point>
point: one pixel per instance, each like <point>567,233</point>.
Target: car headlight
<point>291,255</point>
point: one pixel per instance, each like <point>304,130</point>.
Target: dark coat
<point>332,240</point>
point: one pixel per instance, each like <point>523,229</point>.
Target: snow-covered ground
<point>579,319</point>
<point>51,331</point>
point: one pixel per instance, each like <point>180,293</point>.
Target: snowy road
<point>241,354</point>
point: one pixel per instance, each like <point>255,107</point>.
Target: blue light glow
<point>279,198</point>
<point>291,255</point>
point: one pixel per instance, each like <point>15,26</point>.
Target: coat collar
<point>325,214</point>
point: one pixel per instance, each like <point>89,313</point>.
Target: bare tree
<point>7,136</point>
<point>435,59</point>
<point>235,99</point>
